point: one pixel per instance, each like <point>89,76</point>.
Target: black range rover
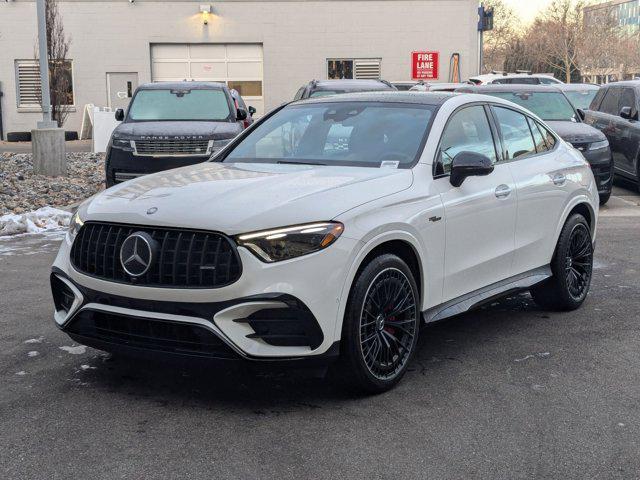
<point>170,125</point>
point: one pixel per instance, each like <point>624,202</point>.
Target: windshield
<point>362,134</point>
<point>155,105</point>
<point>581,98</point>
<point>548,106</point>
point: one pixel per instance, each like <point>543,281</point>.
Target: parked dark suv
<point>321,88</point>
<point>551,105</point>
<point>170,125</point>
<point>614,111</point>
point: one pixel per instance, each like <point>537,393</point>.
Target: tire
<point>377,345</point>
<point>18,136</point>
<point>604,197</point>
<point>572,268</point>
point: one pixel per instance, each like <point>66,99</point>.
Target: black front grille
<point>149,334</point>
<point>184,258</point>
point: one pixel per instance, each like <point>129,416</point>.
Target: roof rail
<point>388,84</point>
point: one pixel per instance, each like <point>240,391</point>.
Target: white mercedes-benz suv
<point>331,230</point>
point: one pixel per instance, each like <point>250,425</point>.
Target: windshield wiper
<point>287,162</point>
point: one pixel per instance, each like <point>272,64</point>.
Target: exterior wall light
<point>205,10</point>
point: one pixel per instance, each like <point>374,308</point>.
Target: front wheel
<point>381,325</point>
<point>604,197</point>
<point>572,268</point>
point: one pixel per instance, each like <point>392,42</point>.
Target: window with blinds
<point>28,83</point>
<point>354,68</point>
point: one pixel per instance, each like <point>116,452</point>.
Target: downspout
<point>1,130</point>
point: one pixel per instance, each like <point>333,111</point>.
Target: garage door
<point>238,65</point>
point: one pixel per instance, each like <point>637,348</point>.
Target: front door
<point>120,88</point>
<point>480,215</point>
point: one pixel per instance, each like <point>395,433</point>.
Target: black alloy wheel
<point>579,262</point>
<point>572,268</point>
<point>387,324</point>
<point>381,325</point>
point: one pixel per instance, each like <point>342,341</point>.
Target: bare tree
<point>499,42</point>
<point>60,77</point>
<point>558,34</point>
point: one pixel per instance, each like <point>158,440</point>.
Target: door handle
<point>503,191</point>
<point>559,179</point>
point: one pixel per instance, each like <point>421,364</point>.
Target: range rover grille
<point>184,258</point>
<point>167,147</point>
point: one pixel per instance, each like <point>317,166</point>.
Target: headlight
<point>122,144</point>
<point>599,145</point>
<point>290,242</point>
<point>75,224</point>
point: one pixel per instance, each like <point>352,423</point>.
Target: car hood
<point>212,130</point>
<point>242,197</point>
<point>574,132</point>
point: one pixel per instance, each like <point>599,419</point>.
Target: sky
<point>527,9</point>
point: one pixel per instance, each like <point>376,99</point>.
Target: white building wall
<point>298,36</point>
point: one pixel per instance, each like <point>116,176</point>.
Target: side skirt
<point>479,297</point>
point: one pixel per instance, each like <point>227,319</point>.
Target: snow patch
<point>21,373</point>
<point>33,353</point>
<point>527,357</point>
<point>87,367</point>
<point>38,221</point>
<point>77,350</point>
<point>35,340</point>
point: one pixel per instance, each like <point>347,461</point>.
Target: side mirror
<point>469,164</point>
<point>241,114</point>
<point>119,114</point>
<point>581,114</point>
<point>625,112</point>
<point>252,111</point>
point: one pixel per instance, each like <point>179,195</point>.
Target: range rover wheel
<point>572,268</point>
<point>381,325</point>
<point>604,197</point>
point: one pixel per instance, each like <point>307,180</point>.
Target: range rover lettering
<point>290,246</point>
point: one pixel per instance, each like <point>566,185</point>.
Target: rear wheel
<point>381,325</point>
<point>572,267</point>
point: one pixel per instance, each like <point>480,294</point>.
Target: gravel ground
<point>22,191</point>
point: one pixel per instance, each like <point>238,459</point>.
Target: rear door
<point>480,215</point>
<point>607,122</point>
<point>541,184</point>
<point>628,134</point>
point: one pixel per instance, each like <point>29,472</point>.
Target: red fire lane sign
<point>424,65</point>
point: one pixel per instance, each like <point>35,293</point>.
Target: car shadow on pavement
<point>443,348</point>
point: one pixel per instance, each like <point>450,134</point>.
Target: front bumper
<point>281,311</point>
<point>601,163</point>
<point>121,165</point>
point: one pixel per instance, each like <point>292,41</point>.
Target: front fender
<point>366,246</point>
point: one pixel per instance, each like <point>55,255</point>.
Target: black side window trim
<point>529,118</point>
<point>490,121</point>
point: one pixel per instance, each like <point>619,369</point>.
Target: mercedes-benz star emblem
<point>136,253</point>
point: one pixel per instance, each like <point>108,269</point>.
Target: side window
<point>299,93</point>
<point>595,103</point>
<point>548,136</point>
<point>538,138</point>
<point>516,136</point>
<point>628,99</point>
<point>611,101</point>
<point>468,130</point>
<point>547,81</point>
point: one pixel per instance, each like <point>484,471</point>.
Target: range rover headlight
<point>122,144</point>
<point>75,224</point>
<point>289,242</point>
<point>599,145</point>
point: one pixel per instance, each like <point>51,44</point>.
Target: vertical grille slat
<point>184,258</point>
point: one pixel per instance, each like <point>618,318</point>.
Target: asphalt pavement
<point>506,392</point>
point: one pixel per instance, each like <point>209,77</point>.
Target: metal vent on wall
<point>367,69</point>
<point>28,78</point>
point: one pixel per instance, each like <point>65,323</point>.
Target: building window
<point>350,68</point>
<point>246,88</point>
<point>28,83</point>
